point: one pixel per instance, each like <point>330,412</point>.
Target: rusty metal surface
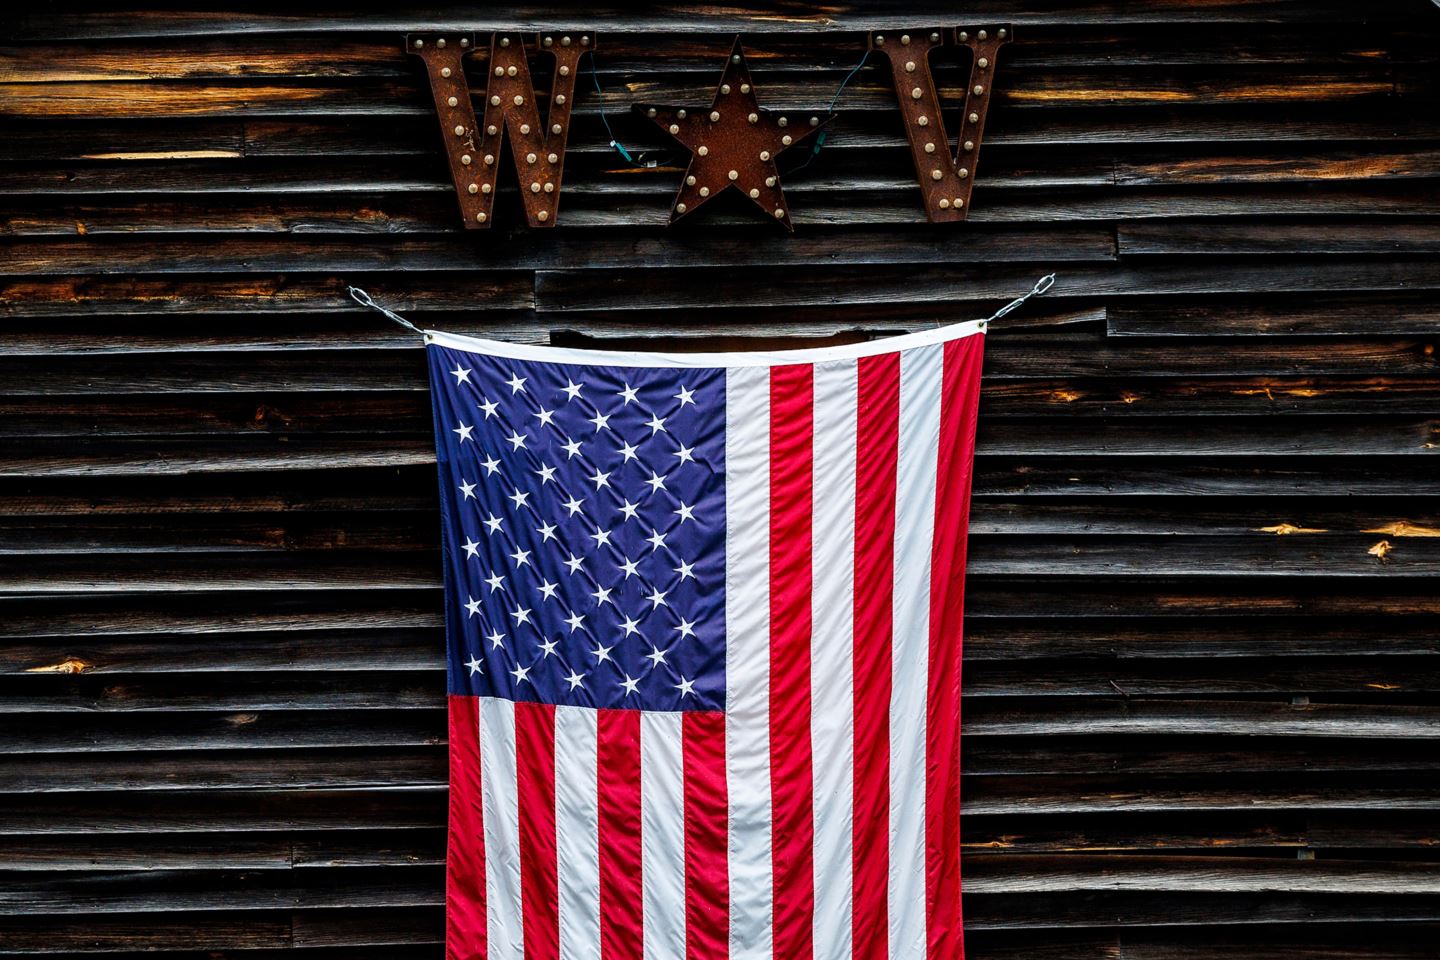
<point>734,144</point>
<point>946,179</point>
<point>473,149</point>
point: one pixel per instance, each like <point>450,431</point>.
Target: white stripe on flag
<point>662,835</point>
<point>916,466</point>
<point>501,807</point>
<point>747,659</point>
<point>832,705</point>
<point>577,832</point>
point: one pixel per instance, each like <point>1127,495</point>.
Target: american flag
<point>704,626</point>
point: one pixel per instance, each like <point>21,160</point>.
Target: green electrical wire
<point>635,158</point>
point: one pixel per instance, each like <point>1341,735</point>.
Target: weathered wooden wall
<point>1201,691</point>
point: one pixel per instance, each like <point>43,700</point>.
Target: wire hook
<point>1041,285</point>
<point>364,299</point>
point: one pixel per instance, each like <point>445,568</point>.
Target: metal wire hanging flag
<point>1041,286</point>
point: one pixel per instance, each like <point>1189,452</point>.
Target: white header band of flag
<point>758,358</point>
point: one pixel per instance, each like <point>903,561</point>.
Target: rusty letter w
<point>511,110</point>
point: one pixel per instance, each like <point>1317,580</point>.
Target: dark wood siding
<point>1202,693</point>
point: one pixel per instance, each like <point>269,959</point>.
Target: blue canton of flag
<point>584,531</point>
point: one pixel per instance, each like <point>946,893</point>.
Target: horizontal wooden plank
<point>1018,700</point>
<point>393,650</point>
<point>292,373</point>
<point>1130,396</point>
<point>269,525</point>
<point>1017,873</point>
<point>1003,659</point>
<point>198,456</point>
<point>234,137</point>
<point>1085,474</point>
<point>322,769</point>
<point>58,570</point>
<point>22,936</point>
<point>146,853</point>
<point>99,334</point>
<point>600,192</point>
<point>220,830</point>
<point>219,613</point>
<point>1148,717</point>
<point>85,294</point>
<point>1151,644</point>
<point>1368,655</point>
<point>1301,603</point>
<point>265,534</point>
<point>1326,315</point>
<point>866,141</point>
<point>730,18</point>
<point>1012,777</point>
<point>1167,666</point>
<point>1276,672</point>
<point>248,56</point>
<point>1078,837</point>
<point>168,816</point>
<point>227,851</point>
<point>1276,439</point>
<point>1215,518</point>
<point>1022,874</point>
<point>1071,86</point>
<point>1042,936</point>
<point>1401,942</point>
<point>165,891</point>
<point>246,255</point>
<point>1034,476</point>
<point>1082,910</point>
<point>1253,238</point>
<point>1348,377</point>
<point>1158,792</point>
<point>566,291</point>
<point>386,214</point>
<point>243,694</point>
<point>218,731</point>
<point>325,412</point>
<point>1317,832</point>
<point>151,716</point>
<point>988,877</point>
<point>1286,165</point>
<point>838,206</point>
<point>399,934</point>
<point>363,492</point>
<point>609,193</point>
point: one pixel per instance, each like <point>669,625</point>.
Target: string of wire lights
<point>640,159</point>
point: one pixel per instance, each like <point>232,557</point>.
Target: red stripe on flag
<point>465,858</point>
<point>535,789</point>
<point>792,439</point>
<point>618,792</point>
<point>877,432</point>
<point>707,880</point>
<point>959,404</point>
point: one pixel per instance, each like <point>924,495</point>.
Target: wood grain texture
<point>1202,692</point>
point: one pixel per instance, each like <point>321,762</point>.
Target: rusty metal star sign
<point>733,145</point>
